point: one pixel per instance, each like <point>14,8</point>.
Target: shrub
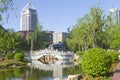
<point>96,62</point>
<point>19,56</point>
<point>113,55</point>
<point>9,56</point>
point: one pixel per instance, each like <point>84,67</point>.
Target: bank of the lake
<point>11,64</point>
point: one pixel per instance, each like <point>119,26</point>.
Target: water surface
<point>40,71</point>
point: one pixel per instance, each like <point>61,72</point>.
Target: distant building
<point>59,37</point>
<point>50,36</point>
<point>28,19</point>
<point>115,15</point>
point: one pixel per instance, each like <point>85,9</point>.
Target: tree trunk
<point>86,46</point>
<point>93,39</point>
<point>31,45</point>
<point>85,43</point>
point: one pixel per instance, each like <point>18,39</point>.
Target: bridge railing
<point>51,51</point>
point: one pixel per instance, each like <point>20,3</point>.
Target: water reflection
<point>38,71</point>
<point>57,68</point>
<point>16,74</point>
<point>48,59</point>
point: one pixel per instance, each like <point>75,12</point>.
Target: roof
<point>58,45</point>
<point>28,6</point>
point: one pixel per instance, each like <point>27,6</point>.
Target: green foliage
<point>11,41</point>
<point>95,62</point>
<point>114,55</point>
<point>38,39</point>
<point>113,31</point>
<point>101,78</point>
<point>5,6</point>
<point>41,41</point>
<point>88,32</point>
<point>115,43</point>
<point>9,56</point>
<point>19,56</point>
<point>94,30</point>
<point>80,52</point>
<point>74,70</point>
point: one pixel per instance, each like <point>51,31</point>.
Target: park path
<point>116,75</point>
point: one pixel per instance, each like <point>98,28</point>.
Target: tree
<point>11,41</point>
<point>97,20</point>
<point>96,62</point>
<point>115,44</point>
<point>42,40</point>
<point>22,44</point>
<point>33,35</point>
<point>114,55</point>
<point>112,30</point>
<point>5,5</point>
<point>88,32</point>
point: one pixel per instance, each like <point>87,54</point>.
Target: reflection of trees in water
<point>36,74</point>
<point>73,70</point>
<point>10,74</point>
<point>27,73</point>
<point>24,74</point>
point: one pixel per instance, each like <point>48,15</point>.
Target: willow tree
<point>87,32</point>
<point>5,6</point>
<point>97,21</point>
<point>80,37</point>
<point>32,36</point>
<point>115,42</point>
<point>113,30</point>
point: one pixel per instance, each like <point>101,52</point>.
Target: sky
<point>56,15</point>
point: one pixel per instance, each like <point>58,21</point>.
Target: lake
<point>41,71</point>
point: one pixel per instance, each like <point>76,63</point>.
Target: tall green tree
<point>98,21</point>
<point>88,32</point>
<point>113,31</point>
<point>32,36</point>
<point>115,43</point>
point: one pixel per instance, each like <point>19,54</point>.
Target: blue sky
<point>57,15</point>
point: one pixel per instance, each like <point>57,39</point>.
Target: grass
<point>9,64</point>
<point>5,62</point>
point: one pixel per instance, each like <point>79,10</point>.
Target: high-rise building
<point>28,19</point>
<point>115,15</point>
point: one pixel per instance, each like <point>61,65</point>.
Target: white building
<point>59,37</point>
<point>115,15</point>
<point>28,19</point>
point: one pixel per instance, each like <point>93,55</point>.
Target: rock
<point>2,59</point>
<point>14,65</point>
<point>57,79</point>
<point>74,77</point>
<point>29,64</point>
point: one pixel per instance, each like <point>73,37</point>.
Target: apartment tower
<point>115,15</point>
<point>28,19</point>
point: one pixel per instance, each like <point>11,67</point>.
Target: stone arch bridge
<point>51,56</point>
